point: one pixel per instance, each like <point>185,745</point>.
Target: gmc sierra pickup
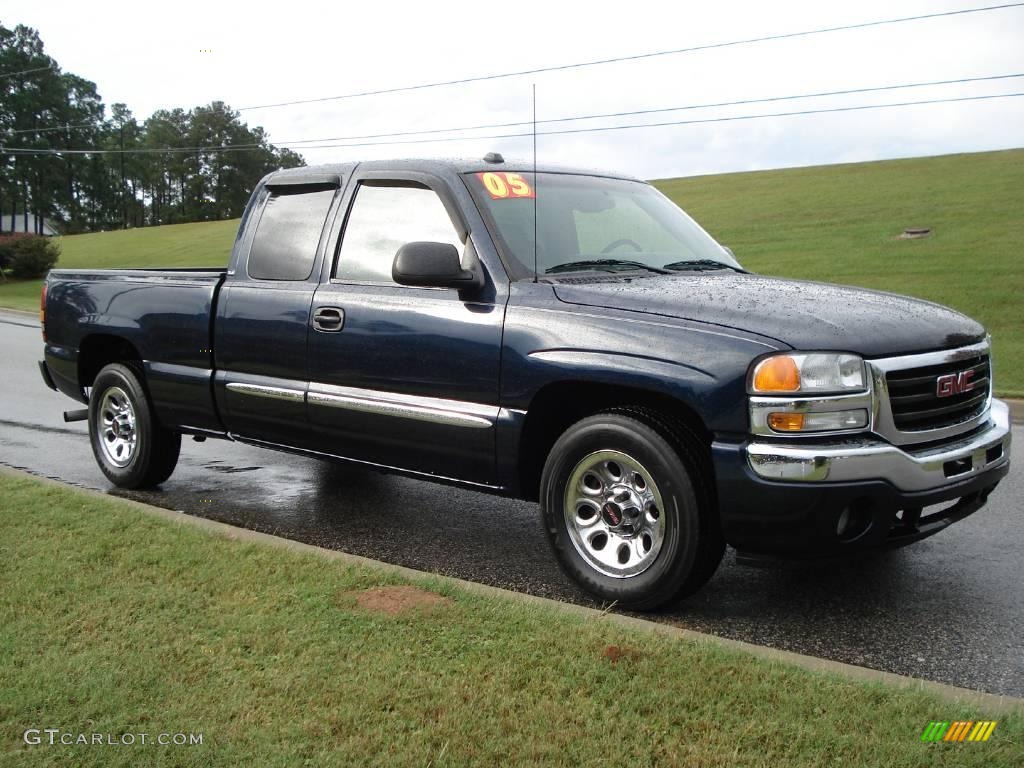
<point>562,336</point>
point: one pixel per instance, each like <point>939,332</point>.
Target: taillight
<point>42,311</point>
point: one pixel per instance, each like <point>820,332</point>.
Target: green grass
<point>20,294</point>
<point>834,223</point>
<point>112,621</point>
<point>839,224</point>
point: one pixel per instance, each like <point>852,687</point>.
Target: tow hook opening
<point>994,453</point>
<point>956,467</point>
<point>855,520</point>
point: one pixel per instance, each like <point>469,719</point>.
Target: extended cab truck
<point>567,337</point>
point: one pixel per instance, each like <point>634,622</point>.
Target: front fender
<point>702,367</point>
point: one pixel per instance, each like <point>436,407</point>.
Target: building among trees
<point>30,223</point>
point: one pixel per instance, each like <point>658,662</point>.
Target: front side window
<point>591,222</point>
<point>385,216</point>
<point>286,239</point>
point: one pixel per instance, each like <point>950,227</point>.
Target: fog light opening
<point>844,522</point>
<point>854,521</point>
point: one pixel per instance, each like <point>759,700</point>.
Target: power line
<point>636,57</point>
<point>784,114</point>
<point>29,151</point>
<point>52,128</point>
<point>575,118</point>
<point>578,65</point>
<point>628,126</point>
<point>135,151</point>
<point>484,126</point>
<point>81,126</point>
<point>25,71</point>
<point>848,91</point>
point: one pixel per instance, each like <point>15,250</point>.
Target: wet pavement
<point>949,609</point>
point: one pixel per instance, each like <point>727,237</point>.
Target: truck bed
<point>165,315</point>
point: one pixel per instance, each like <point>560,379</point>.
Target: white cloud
<point>149,57</point>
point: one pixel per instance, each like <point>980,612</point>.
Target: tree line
<point>44,112</point>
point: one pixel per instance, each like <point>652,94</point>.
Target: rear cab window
<point>285,243</point>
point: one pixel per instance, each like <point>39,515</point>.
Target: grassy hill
<point>205,244</point>
<point>834,223</point>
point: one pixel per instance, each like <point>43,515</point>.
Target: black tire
<point>691,543</point>
<point>152,457</point>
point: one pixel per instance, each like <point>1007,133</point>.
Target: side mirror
<point>432,265</point>
<point>728,250</point>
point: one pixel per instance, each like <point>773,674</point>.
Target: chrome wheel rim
<point>116,426</point>
<point>614,514</point>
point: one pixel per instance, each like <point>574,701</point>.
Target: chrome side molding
<point>260,390</point>
<point>453,413</point>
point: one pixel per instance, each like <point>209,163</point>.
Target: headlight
<point>808,373</point>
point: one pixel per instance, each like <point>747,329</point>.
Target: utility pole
<point>124,203</point>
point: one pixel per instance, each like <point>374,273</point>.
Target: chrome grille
<point>916,405</point>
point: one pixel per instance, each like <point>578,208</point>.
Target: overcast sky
<point>152,56</point>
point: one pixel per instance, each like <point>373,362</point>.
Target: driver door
<point>409,376</point>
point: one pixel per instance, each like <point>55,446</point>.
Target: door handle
<point>329,319</point>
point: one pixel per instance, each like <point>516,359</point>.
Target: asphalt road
<point>949,608</point>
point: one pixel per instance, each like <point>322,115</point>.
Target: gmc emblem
<point>954,383</point>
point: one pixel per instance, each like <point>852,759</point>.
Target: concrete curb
<point>19,312</point>
<point>1016,409</point>
<point>987,702</point>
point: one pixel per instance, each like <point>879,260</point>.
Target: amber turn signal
<point>777,374</point>
<point>786,422</point>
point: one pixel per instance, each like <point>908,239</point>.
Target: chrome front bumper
<point>869,458</point>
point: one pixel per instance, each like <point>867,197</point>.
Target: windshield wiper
<point>700,265</point>
<point>597,264</point>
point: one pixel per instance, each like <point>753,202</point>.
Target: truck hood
<point>802,314</point>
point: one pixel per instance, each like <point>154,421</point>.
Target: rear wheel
<point>131,448</point>
<point>628,512</point>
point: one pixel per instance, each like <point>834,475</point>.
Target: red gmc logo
<point>954,383</point>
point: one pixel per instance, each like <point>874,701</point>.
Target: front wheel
<point>131,448</point>
<point>627,512</point>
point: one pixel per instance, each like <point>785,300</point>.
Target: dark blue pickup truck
<point>562,336</point>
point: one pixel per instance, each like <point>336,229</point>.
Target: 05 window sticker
<point>502,186</point>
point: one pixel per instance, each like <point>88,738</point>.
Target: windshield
<point>592,223</point>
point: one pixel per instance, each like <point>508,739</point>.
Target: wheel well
<point>99,350</point>
<point>558,406</point>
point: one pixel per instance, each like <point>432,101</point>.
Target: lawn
<point>835,223</point>
<point>114,622</point>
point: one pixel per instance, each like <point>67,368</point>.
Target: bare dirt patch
<point>615,653</point>
<point>394,601</point>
